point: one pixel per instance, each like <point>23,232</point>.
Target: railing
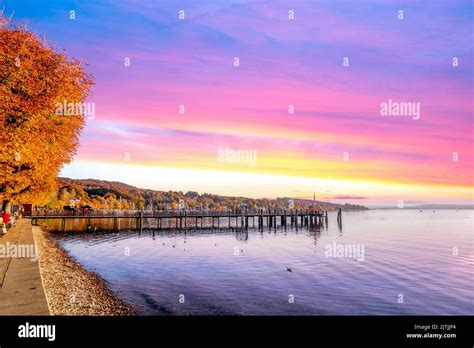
<point>173,213</point>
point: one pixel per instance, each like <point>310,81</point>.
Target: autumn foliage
<point>35,141</point>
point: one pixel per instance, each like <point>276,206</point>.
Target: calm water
<point>405,252</point>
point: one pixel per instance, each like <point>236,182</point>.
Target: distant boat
<point>315,208</point>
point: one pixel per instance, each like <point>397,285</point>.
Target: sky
<point>273,98</point>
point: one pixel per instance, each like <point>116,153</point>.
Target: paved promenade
<point>21,289</point>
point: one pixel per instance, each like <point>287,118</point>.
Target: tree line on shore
<point>109,195</point>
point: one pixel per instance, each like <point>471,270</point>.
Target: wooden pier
<point>195,219</point>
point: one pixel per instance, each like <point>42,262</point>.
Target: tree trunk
<point>6,206</point>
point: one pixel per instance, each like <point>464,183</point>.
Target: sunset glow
<point>335,143</point>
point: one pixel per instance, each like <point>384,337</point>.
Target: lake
<point>381,262</point>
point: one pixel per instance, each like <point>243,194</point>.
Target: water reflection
<point>245,271</point>
<point>238,233</point>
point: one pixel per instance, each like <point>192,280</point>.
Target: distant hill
<point>442,206</point>
<point>431,206</point>
<point>102,194</point>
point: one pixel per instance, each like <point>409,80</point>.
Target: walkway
<point>21,289</point>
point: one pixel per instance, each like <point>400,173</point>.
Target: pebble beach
<point>70,289</point>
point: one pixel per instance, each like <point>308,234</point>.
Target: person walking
<point>6,223</point>
<point>3,227</point>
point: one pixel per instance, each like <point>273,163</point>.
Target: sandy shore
<point>71,290</point>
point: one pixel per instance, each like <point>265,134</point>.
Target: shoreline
<point>70,289</point>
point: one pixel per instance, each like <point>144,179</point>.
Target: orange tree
<point>35,140</point>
